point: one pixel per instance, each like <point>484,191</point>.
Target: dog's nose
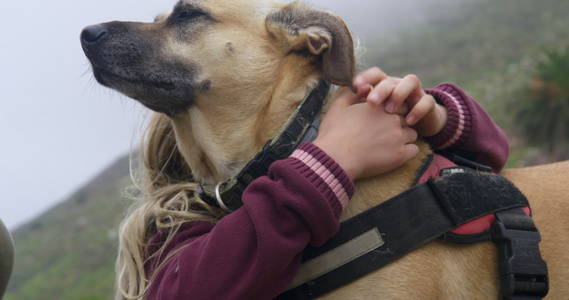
<point>93,34</point>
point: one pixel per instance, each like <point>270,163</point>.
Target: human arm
<point>255,252</point>
<point>448,118</point>
<point>470,131</point>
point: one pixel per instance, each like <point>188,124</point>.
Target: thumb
<point>347,97</point>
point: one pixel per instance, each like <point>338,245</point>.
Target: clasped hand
<point>374,131</point>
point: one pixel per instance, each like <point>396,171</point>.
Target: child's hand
<point>364,139</point>
<point>402,95</point>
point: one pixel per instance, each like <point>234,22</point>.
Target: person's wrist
<point>442,117</point>
<point>332,150</point>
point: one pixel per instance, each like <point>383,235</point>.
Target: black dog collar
<point>301,126</point>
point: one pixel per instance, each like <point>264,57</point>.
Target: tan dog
<point>226,74</point>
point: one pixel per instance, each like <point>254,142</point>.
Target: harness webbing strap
<point>406,222</point>
<point>279,147</point>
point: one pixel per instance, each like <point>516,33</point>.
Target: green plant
<point>542,109</point>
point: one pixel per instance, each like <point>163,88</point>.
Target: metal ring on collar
<point>219,201</point>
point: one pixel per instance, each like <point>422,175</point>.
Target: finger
<point>411,150</point>
<point>420,110</point>
<point>403,109</point>
<point>382,90</point>
<point>410,135</point>
<point>403,122</point>
<point>408,90</point>
<point>370,76</point>
<point>347,97</point>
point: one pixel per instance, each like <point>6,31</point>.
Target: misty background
<point>59,127</point>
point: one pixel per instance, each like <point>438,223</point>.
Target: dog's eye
<point>186,15</point>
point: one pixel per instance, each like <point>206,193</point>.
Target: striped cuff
<point>326,175</point>
<point>459,124</point>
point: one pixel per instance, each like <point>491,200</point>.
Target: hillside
<point>69,252</point>
<point>485,46</point>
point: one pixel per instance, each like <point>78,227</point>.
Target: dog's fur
<point>227,74</point>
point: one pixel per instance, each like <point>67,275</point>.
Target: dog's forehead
<point>228,8</point>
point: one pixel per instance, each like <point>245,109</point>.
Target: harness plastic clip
<point>523,272</point>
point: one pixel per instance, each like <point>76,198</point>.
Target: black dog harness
<point>421,214</point>
<point>429,210</point>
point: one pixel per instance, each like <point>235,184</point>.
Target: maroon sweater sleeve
<point>469,129</point>
<point>255,252</point>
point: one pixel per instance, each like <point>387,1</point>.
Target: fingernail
<point>410,120</point>
<point>359,80</point>
<point>390,107</point>
<point>374,98</point>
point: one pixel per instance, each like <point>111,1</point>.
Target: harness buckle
<point>523,272</point>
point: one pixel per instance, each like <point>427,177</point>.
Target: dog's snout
<point>93,34</point>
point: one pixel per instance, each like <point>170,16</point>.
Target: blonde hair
<point>167,200</point>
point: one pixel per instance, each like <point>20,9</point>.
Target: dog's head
<point>226,72</point>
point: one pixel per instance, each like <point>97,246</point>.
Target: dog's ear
<point>322,33</point>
